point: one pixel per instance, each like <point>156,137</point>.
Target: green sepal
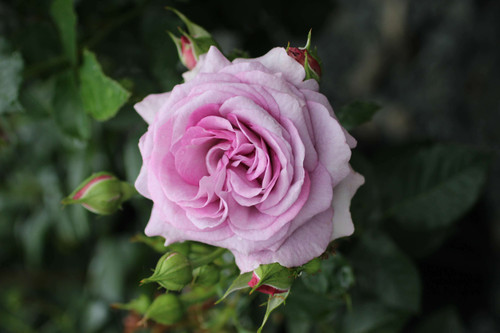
<point>178,44</point>
<point>173,272</point>
<point>241,282</point>
<point>274,275</point>
<point>310,74</point>
<point>194,29</point>
<point>156,243</point>
<point>272,303</point>
<point>313,53</point>
<point>139,304</point>
<point>312,267</point>
<point>200,39</point>
<point>201,45</point>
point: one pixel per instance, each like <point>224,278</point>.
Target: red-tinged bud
<point>271,279</point>
<point>264,288</point>
<point>187,53</point>
<point>102,193</point>
<point>300,55</point>
<point>193,43</point>
<point>307,58</point>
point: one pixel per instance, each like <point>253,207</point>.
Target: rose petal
<point>149,106</point>
<point>306,243</point>
<point>342,195</point>
<point>278,61</point>
<point>333,151</point>
<point>314,96</point>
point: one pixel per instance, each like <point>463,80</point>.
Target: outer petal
<point>342,195</point>
<point>320,98</point>
<point>331,144</point>
<point>278,61</point>
<point>150,105</point>
<point>145,146</point>
<point>306,243</point>
<point>214,61</point>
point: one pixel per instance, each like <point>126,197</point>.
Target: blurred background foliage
<point>425,255</point>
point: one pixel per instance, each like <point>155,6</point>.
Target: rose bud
<point>206,275</point>
<point>173,272</point>
<point>193,43</point>
<point>271,279</point>
<point>188,57</point>
<point>166,309</point>
<point>307,58</point>
<point>102,193</point>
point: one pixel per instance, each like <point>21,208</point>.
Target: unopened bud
<point>307,58</point>
<point>173,272</point>
<point>206,275</point>
<point>271,279</point>
<point>187,53</point>
<point>166,309</point>
<point>102,193</point>
<point>193,43</point>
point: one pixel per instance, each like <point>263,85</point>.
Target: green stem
<point>208,258</point>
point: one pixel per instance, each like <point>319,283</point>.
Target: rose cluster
<point>247,155</point>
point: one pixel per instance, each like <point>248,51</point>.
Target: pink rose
<point>247,156</point>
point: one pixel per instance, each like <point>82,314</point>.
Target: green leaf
<point>272,303</point>
<point>102,97</point>
<point>440,184</point>
<point>68,109</point>
<point>443,320</point>
<point>241,282</point>
<point>65,18</point>
<point>385,272</point>
<point>356,113</point>
<point>166,309</point>
<point>11,67</point>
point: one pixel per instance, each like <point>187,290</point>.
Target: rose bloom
<point>248,156</point>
